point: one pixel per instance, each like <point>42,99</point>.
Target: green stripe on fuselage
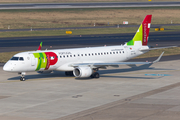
<point>42,60</point>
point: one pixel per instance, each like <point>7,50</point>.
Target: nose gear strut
<point>22,78</point>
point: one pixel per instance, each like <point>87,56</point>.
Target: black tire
<point>96,75</point>
<point>22,79</point>
<point>92,76</point>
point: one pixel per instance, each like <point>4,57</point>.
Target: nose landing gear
<point>22,78</point>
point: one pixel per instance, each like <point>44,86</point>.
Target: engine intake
<point>82,72</point>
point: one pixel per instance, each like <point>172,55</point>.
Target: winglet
<point>40,46</point>
<point>157,60</point>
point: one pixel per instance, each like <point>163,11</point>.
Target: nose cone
<point>7,67</point>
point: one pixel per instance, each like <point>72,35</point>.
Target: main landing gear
<point>95,75</point>
<point>22,78</point>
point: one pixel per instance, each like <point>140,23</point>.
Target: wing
<point>116,64</point>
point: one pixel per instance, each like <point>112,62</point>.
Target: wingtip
<point>158,59</point>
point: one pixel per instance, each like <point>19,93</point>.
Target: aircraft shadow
<point>142,67</point>
<point>36,76</point>
<point>128,77</point>
<point>102,72</point>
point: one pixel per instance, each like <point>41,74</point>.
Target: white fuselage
<point>61,59</point>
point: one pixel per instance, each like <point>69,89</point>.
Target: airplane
<point>83,62</point>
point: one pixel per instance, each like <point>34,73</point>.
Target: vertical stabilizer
<point>142,34</point>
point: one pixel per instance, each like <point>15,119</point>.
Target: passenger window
<point>117,52</point>
<point>123,51</point>
<point>98,53</point>
<point>64,56</point>
<point>120,52</point>
<point>104,53</point>
<point>110,52</point>
<point>74,55</point>
<point>85,54</point>
<point>67,56</point>
<point>92,53</point>
<point>113,52</point>
<point>89,54</point>
<point>70,55</point>
<point>101,53</point>
<point>81,54</point>
<point>107,53</point>
<point>60,56</point>
<point>95,53</point>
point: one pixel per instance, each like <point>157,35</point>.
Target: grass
<point>156,53</point>
<point>74,32</point>
<point>64,1</point>
<point>81,31</point>
<point>54,18</point>
<point>5,56</point>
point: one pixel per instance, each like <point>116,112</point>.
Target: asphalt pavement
<point>75,41</point>
<point>87,5</point>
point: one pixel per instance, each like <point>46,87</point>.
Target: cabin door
<point>33,60</point>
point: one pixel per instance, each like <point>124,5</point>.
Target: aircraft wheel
<point>92,76</point>
<point>95,75</point>
<point>22,79</point>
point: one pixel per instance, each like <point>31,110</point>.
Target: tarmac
<point>122,93</point>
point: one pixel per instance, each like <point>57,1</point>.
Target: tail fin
<point>141,36</point>
<point>40,46</point>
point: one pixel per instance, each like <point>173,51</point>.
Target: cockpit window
<point>21,59</point>
<point>15,58</point>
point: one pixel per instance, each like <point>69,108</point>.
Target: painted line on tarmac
<point>158,75</point>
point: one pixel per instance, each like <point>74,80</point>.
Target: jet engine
<point>44,72</point>
<point>82,72</point>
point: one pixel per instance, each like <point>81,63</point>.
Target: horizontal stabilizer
<point>156,48</point>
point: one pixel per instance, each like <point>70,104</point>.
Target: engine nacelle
<point>44,72</point>
<point>82,72</point>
